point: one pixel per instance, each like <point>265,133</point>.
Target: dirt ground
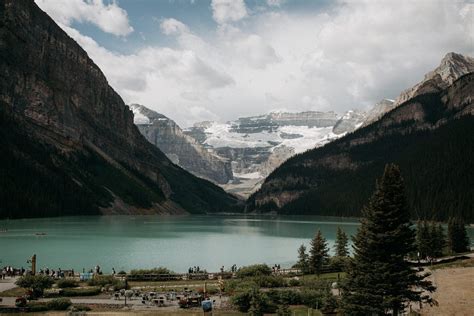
<point>455,293</point>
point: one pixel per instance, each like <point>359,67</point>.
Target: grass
<point>15,292</point>
<point>468,263</point>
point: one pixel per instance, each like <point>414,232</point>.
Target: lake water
<point>177,243</point>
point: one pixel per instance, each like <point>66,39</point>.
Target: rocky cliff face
<point>452,67</point>
<point>180,148</point>
<point>431,136</point>
<point>70,132</point>
<point>257,145</point>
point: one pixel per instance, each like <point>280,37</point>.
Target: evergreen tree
<point>438,240</point>
<point>379,280</point>
<point>318,253</point>
<point>458,241</point>
<point>341,243</point>
<point>303,259</point>
<point>423,239</point>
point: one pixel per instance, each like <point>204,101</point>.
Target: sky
<point>196,60</point>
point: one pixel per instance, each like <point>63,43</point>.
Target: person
<point>4,273</point>
<point>113,271</point>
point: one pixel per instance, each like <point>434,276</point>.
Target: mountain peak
<point>452,67</point>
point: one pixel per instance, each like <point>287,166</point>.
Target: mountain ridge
<point>70,145</point>
<point>322,181</point>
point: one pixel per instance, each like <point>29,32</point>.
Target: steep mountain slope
<point>180,148</point>
<point>69,145</point>
<point>431,136</point>
<point>257,145</point>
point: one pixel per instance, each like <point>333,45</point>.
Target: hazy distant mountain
<point>180,148</point>
<point>257,145</point>
<point>69,145</point>
<point>430,135</point>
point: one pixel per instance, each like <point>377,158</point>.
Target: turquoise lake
<point>126,242</point>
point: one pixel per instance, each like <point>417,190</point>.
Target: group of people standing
<point>9,271</point>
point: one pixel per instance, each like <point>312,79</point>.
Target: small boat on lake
<point>40,234</point>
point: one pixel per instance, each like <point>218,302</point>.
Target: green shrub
<point>159,270</point>
<point>81,308</point>
<point>59,304</point>
<point>122,272</point>
<point>285,297</point>
<point>269,281</point>
<point>244,300</point>
<point>254,270</point>
<point>37,307</point>
<point>312,298</point>
<point>87,291</point>
<point>37,283</point>
<point>67,283</point>
<point>106,280</point>
<point>294,282</point>
<point>237,285</point>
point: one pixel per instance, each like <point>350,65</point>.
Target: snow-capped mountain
<point>180,148</point>
<point>257,145</point>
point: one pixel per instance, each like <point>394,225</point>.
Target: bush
<point>106,280</point>
<point>254,270</point>
<point>159,270</point>
<point>244,299</point>
<point>81,308</point>
<point>59,304</point>
<point>37,283</point>
<point>269,281</point>
<point>122,272</point>
<point>238,285</point>
<point>37,307</point>
<point>294,282</point>
<point>67,283</point>
<point>285,297</point>
<point>87,291</point>
<point>312,298</point>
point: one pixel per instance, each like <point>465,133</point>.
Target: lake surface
<point>177,243</point>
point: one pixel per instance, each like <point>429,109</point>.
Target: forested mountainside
<point>180,148</point>
<point>69,145</point>
<point>431,137</point>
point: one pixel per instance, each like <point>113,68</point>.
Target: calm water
<point>149,241</point>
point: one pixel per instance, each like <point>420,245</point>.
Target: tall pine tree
<point>319,253</point>
<point>303,259</point>
<point>438,240</point>
<point>423,239</point>
<point>458,241</point>
<point>341,243</point>
<point>379,280</point>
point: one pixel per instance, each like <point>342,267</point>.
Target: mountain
<point>452,67</point>
<point>257,145</point>
<point>430,135</point>
<point>180,148</point>
<point>69,144</point>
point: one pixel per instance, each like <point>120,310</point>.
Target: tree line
<point>380,280</point>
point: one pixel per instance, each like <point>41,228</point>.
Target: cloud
<point>173,26</point>
<point>225,11</point>
<point>348,56</point>
<point>110,18</point>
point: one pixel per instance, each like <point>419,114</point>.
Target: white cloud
<point>349,57</point>
<point>109,18</point>
<point>225,11</point>
<point>173,26</point>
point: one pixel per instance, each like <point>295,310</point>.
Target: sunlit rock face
<point>180,148</point>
